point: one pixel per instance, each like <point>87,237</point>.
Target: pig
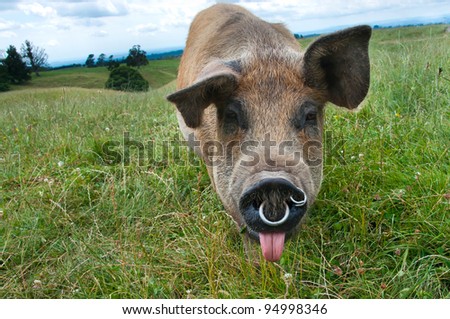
<point>250,102</point>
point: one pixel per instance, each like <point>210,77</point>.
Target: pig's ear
<point>217,81</point>
<point>339,64</point>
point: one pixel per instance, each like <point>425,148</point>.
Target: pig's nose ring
<point>275,223</point>
<point>299,203</point>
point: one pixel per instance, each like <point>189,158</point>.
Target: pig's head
<point>259,119</point>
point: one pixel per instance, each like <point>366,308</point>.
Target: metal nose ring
<point>275,223</point>
<point>299,203</point>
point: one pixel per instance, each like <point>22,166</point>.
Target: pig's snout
<point>273,205</point>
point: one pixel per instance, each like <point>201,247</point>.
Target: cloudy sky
<point>71,29</point>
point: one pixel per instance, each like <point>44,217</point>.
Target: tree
<point>101,60</point>
<point>112,64</point>
<point>4,77</point>
<point>35,57</point>
<point>16,67</point>
<point>136,57</point>
<point>124,78</point>
<point>90,61</point>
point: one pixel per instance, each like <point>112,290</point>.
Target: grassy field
<point>73,227</point>
<point>157,73</point>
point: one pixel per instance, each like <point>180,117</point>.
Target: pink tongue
<point>272,245</point>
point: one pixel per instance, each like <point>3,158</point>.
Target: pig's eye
<point>311,118</point>
<point>306,116</point>
<point>232,117</point>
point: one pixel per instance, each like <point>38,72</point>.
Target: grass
<point>73,227</point>
<point>157,73</point>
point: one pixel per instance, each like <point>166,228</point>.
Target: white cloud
<point>114,7</point>
<point>178,16</point>
<point>6,25</point>
<point>143,29</point>
<point>93,9</point>
<point>8,34</point>
<point>91,22</point>
<point>53,43</point>
<point>100,34</point>
<point>176,23</point>
<point>62,26</point>
<point>8,28</point>
<point>37,9</point>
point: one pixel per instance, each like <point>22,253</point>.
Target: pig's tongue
<point>272,245</point>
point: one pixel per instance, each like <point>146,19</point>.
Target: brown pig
<point>250,102</point>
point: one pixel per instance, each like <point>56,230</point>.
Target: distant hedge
<point>4,86</point>
<point>124,78</point>
<point>4,78</point>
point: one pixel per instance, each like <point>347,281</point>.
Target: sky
<point>72,29</point>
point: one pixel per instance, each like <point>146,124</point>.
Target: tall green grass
<point>73,227</point>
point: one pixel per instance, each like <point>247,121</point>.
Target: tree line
<point>136,58</point>
<point>17,67</point>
